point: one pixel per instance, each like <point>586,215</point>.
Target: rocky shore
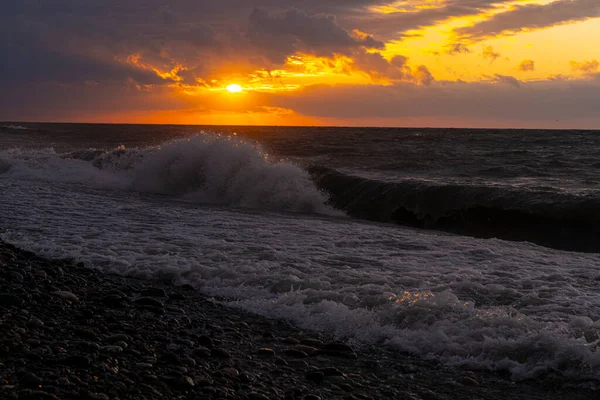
<point>70,332</point>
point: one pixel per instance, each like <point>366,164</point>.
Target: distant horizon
<point>300,126</point>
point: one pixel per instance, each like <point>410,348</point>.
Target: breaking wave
<point>204,169</point>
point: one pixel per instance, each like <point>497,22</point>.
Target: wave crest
<point>205,168</point>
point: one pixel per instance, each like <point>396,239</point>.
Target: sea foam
<point>204,168</point>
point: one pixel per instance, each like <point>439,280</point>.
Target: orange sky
<point>304,63</point>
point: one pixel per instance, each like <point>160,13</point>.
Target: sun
<point>234,88</point>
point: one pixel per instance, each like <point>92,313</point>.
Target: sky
<point>430,63</point>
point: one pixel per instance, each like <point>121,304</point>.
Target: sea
<point>476,248</point>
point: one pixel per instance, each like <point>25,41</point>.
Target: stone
<point>66,295</point>
<point>119,337</point>
<point>312,342</point>
<point>306,349</point>
<point>112,349</point>
<point>315,376</point>
<point>311,397</point>
<point>331,371</point>
<point>148,301</point>
<point>337,347</point>
<point>230,372</point>
<point>266,352</point>
<point>154,292</point>
<point>35,323</point>
<point>467,381</point>
<point>296,353</point>
<point>201,352</point>
<point>219,353</point>
<point>77,361</point>
<point>186,382</point>
<point>113,300</point>
<point>28,379</point>
<point>257,396</point>
<point>10,300</point>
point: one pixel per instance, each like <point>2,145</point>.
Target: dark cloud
<point>533,16</point>
<point>393,25</point>
<point>457,48</point>
<point>537,104</point>
<point>284,33</point>
<point>396,69</point>
<point>527,66</point>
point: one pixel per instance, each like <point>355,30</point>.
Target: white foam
<point>15,127</point>
<point>204,168</point>
<point>481,303</point>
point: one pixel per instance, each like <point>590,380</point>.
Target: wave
<point>553,219</point>
<point>204,169</point>
<point>15,127</point>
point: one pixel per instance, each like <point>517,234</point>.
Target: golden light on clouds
<point>199,68</point>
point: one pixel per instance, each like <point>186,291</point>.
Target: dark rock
<point>96,396</point>
<point>113,300</point>
<point>331,371</point>
<point>219,353</point>
<point>28,379</point>
<point>266,352</point>
<point>257,396</point>
<point>35,323</point>
<point>337,347</point>
<point>119,337</point>
<point>296,353</point>
<point>10,300</point>
<point>154,292</point>
<point>230,372</point>
<point>311,397</point>
<point>185,382</point>
<point>78,361</point>
<point>467,381</point>
<point>15,276</point>
<point>169,358</point>
<point>148,301</point>
<point>312,342</point>
<point>177,296</point>
<point>35,395</point>
<point>66,295</point>
<point>201,352</point>
<point>205,341</point>
<point>85,333</point>
<point>315,376</point>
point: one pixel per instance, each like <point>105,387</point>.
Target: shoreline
<point>67,331</point>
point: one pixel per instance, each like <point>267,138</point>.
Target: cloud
<point>531,17</point>
<point>457,48</point>
<point>506,79</point>
<point>560,104</point>
<point>395,24</point>
<point>281,34</point>
<point>395,70</point>
<point>527,66</point>
<point>585,66</point>
<point>489,54</point>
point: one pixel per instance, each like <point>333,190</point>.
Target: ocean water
<point>478,248</point>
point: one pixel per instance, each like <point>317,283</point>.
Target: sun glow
<point>234,88</point>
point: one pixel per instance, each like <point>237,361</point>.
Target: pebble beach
<point>70,332</point>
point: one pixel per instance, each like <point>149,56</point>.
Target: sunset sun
<point>234,88</point>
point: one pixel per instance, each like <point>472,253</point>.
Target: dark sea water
<point>479,248</point>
